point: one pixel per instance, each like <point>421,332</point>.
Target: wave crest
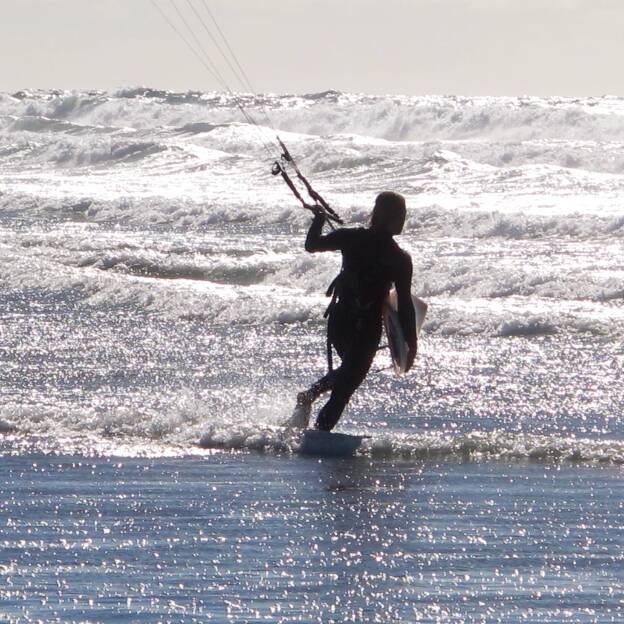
<point>496,445</point>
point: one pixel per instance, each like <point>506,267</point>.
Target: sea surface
<point>158,315</point>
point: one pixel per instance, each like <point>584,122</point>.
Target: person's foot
<point>301,414</point>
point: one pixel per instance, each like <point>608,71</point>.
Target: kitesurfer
<point>371,263</point>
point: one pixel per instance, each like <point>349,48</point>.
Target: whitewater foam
<point>478,445</point>
<point>159,208</point>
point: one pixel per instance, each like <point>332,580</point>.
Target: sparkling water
<point>158,315</point>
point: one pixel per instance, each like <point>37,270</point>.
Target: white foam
<point>480,174</point>
<point>478,445</point>
<point>389,117</point>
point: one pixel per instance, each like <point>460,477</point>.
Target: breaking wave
<point>159,207</point>
<point>475,446</point>
<point>394,118</point>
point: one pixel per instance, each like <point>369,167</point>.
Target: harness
<point>356,308</point>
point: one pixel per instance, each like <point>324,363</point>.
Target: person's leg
<point>340,332</point>
<point>350,374</point>
<point>303,407</point>
<point>324,384</point>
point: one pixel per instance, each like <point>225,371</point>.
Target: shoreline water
<point>246,537</point>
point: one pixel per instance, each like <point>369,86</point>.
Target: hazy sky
<point>498,47</point>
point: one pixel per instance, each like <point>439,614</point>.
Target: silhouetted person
<point>371,263</point>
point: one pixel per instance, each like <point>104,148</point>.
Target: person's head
<point>389,213</point>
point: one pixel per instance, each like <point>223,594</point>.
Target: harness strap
<point>330,355</point>
<point>332,292</point>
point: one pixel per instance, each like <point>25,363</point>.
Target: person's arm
<point>407,314</point>
<point>316,241</point>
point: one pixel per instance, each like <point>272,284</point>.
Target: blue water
<point>255,538</point>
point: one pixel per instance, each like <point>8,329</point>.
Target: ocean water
<point>158,315</point>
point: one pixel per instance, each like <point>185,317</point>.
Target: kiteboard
<point>328,444</point>
<point>394,332</point>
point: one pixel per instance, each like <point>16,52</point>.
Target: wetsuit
<point>371,262</point>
